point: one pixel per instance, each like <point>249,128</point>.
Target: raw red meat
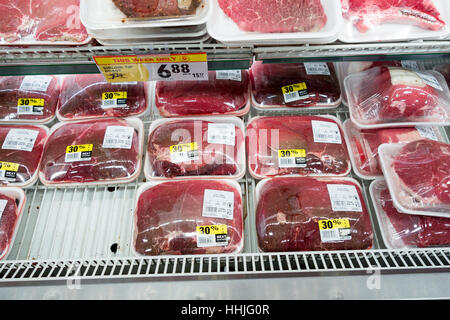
<point>213,158</point>
<point>27,159</point>
<point>423,169</point>
<point>365,144</point>
<point>215,96</point>
<point>168,214</point>
<point>414,230</point>
<point>267,135</point>
<point>81,97</point>
<point>276,16</point>
<point>11,92</point>
<point>268,79</point>
<point>42,20</point>
<point>106,164</point>
<point>156,8</point>
<point>289,210</point>
<point>366,13</point>
<point>8,221</point>
<point>386,94</point>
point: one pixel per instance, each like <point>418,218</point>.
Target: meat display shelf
<point>76,243</point>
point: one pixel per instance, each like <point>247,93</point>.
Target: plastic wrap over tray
<point>309,214</point>
<point>418,176</point>
<point>387,96</point>
<point>400,230</point>
<point>28,99</point>
<point>196,147</point>
<point>93,152</point>
<point>189,217</point>
<point>224,93</point>
<point>88,96</point>
<point>296,145</point>
<point>21,148</point>
<point>294,85</point>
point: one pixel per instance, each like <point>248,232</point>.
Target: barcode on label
<point>204,240</point>
<point>292,162</point>
<point>329,235</point>
<point>107,103</point>
<point>211,209</point>
<point>78,156</point>
<point>294,96</point>
<point>317,68</point>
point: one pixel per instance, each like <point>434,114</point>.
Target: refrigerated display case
<point>76,242</point>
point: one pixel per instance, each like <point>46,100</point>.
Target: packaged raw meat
<point>189,217</point>
<point>28,99</point>
<point>225,93</point>
<point>21,150</point>
<point>89,96</point>
<point>296,145</point>
<point>275,22</point>
<point>294,85</point>
<point>157,8</point>
<point>42,22</point>
<point>418,176</point>
<point>389,96</point>
<point>309,214</point>
<point>393,20</point>
<point>400,230</point>
<point>92,152</point>
<point>363,144</point>
<point>196,147</point>
<point>12,203</point>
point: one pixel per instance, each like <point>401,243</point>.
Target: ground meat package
<point>89,96</point>
<point>93,152</point>
<point>21,148</point>
<point>189,217</point>
<point>400,230</point>
<point>363,144</point>
<point>309,214</point>
<point>226,92</point>
<point>296,145</point>
<point>418,176</point>
<point>187,148</point>
<point>390,96</point>
<point>28,99</point>
<point>12,203</point>
<point>289,86</point>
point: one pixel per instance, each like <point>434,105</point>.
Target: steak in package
<point>309,214</point>
<point>294,85</point>
<point>226,92</point>
<point>189,217</point>
<point>385,96</point>
<point>363,144</point>
<point>296,145</point>
<point>196,147</point>
<point>157,8</point>
<point>21,149</point>
<point>418,176</point>
<point>87,96</point>
<point>92,152</point>
<point>28,98</point>
<point>12,201</point>
<point>400,230</point>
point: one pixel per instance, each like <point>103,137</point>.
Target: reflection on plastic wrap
<point>196,148</point>
<point>402,230</point>
<point>91,151</point>
<point>88,96</point>
<point>383,95</point>
<point>189,217</point>
<point>306,214</point>
<point>302,145</point>
<point>226,92</point>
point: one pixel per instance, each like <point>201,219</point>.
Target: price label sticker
<point>185,152</point>
<point>294,92</point>
<point>30,106</point>
<point>335,230</point>
<point>20,139</point>
<point>212,235</point>
<point>114,99</point>
<point>82,152</point>
<point>218,204</point>
<point>292,158</point>
<point>344,197</point>
<point>222,133</point>
<point>118,137</point>
<point>317,68</point>
<point>326,132</point>
<point>234,75</point>
<point>35,83</point>
<point>160,67</point>
<point>8,171</point>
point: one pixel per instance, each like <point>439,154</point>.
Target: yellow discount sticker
<point>288,153</point>
<point>294,87</point>
<point>185,147</point>
<point>30,102</point>
<point>9,166</point>
<point>114,95</point>
<point>79,148</point>
<point>212,229</point>
<point>334,224</point>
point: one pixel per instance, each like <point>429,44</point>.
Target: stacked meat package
<point>396,138</point>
